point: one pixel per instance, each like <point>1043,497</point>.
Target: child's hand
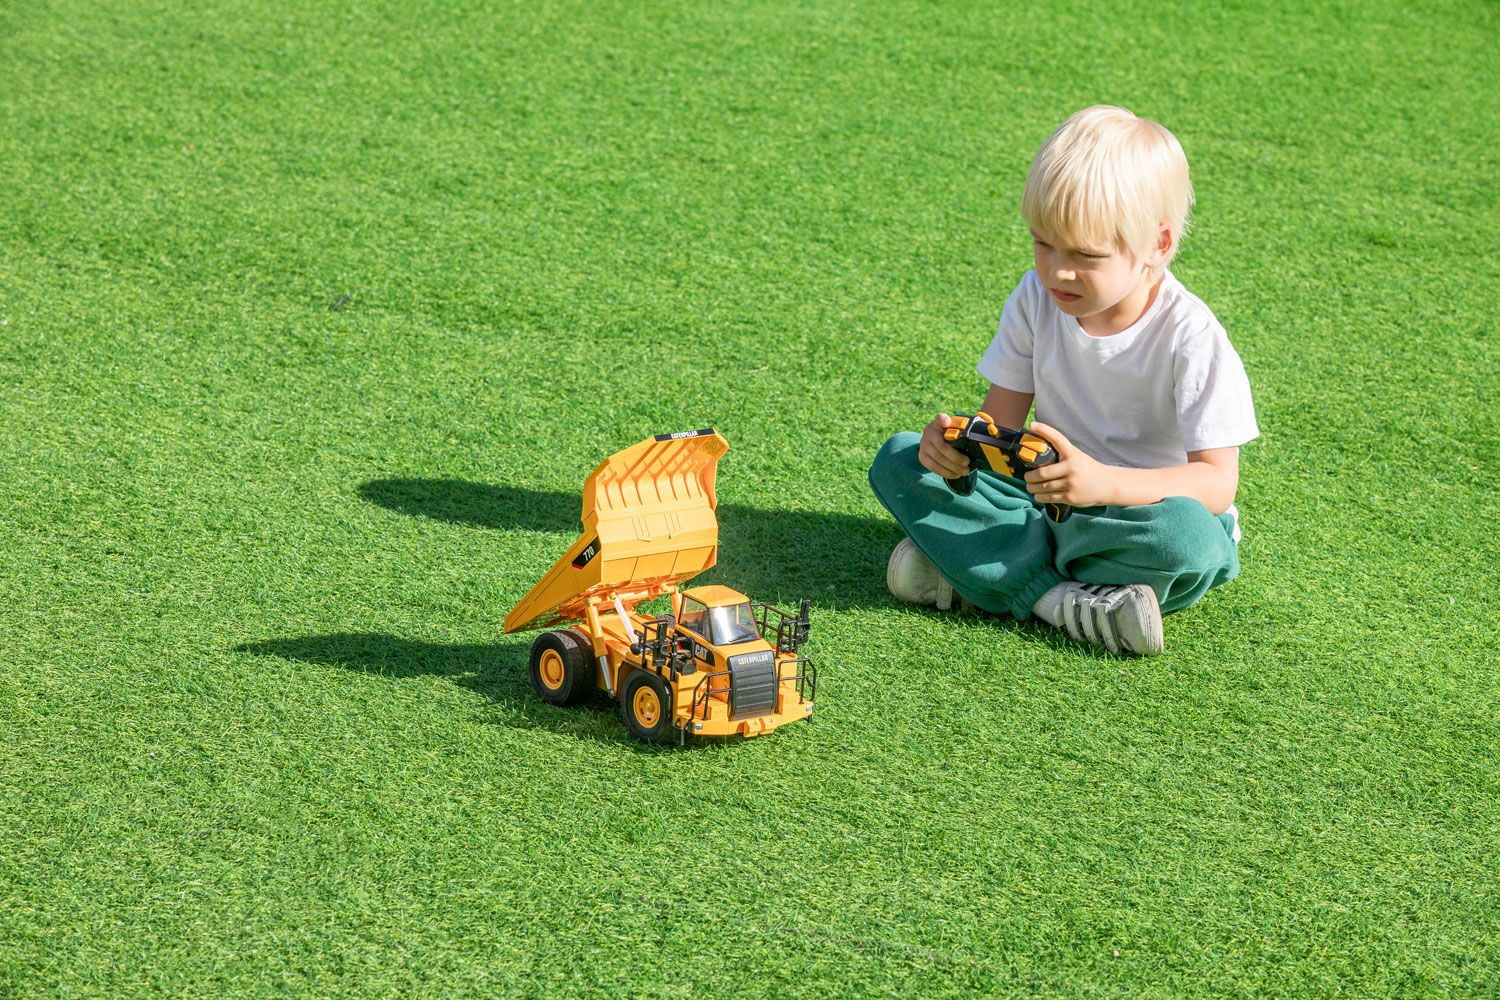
<point>1074,479</point>
<point>938,455</point>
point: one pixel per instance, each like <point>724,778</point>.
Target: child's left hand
<point>1074,479</point>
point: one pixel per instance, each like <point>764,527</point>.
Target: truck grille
<point>752,684</point>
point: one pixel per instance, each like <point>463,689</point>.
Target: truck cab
<point>717,617</point>
<point>727,646</point>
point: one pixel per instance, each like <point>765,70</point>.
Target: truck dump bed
<point>648,524</point>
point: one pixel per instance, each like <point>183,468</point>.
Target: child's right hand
<point>937,455</point>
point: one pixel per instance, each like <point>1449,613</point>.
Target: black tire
<point>562,667</point>
<point>646,707</point>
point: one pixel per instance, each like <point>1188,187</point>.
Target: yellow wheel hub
<point>551,669</point>
<point>647,706</point>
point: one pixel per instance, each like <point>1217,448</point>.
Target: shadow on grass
<point>498,671</point>
<point>834,560</point>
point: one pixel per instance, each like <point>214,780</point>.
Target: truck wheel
<point>562,671</point>
<point>646,705</point>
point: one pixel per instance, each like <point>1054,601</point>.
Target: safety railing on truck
<point>786,632</point>
<point>806,677</point>
<point>660,651</point>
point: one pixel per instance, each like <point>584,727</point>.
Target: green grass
<point>314,319</point>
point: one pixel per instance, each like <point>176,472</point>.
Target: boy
<point>1137,388</point>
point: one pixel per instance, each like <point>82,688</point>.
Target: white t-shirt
<point>1168,384</point>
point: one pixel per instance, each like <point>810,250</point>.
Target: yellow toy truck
<point>717,664</point>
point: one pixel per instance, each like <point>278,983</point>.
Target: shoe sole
<point>1150,622</point>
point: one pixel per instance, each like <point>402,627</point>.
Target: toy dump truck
<point>716,665</point>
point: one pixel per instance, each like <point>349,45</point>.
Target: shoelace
<point>1086,613</point>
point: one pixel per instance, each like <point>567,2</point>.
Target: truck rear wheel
<point>562,671</point>
<point>646,705</point>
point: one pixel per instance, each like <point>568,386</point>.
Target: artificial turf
<point>313,319</point>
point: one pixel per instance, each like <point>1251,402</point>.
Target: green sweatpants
<point>1001,552</point>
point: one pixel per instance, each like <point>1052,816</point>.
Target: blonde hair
<point>1107,179</point>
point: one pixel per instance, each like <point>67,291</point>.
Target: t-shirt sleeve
<point>1007,361</point>
<point>1214,409</point>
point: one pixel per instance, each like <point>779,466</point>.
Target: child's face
<point>1091,282</point>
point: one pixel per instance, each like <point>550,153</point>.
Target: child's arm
<point>1006,407</point>
<point>1211,477</point>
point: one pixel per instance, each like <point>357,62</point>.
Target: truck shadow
<point>835,560</point>
<point>497,671</point>
<point>781,556</point>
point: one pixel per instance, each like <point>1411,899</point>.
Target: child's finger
<point>948,470</point>
<point>1046,473</point>
<point>1054,437</point>
<point>1054,484</point>
<point>941,449</point>
<point>947,462</point>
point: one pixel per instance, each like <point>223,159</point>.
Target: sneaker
<point>913,578</point>
<point>1122,619</point>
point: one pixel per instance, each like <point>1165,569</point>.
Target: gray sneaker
<point>913,578</point>
<point>1122,619</point>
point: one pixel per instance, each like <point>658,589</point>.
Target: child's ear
<point>1164,240</point>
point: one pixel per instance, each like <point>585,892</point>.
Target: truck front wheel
<point>646,705</point>
<point>562,671</point>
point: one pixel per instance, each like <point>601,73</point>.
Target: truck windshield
<point>730,625</point>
